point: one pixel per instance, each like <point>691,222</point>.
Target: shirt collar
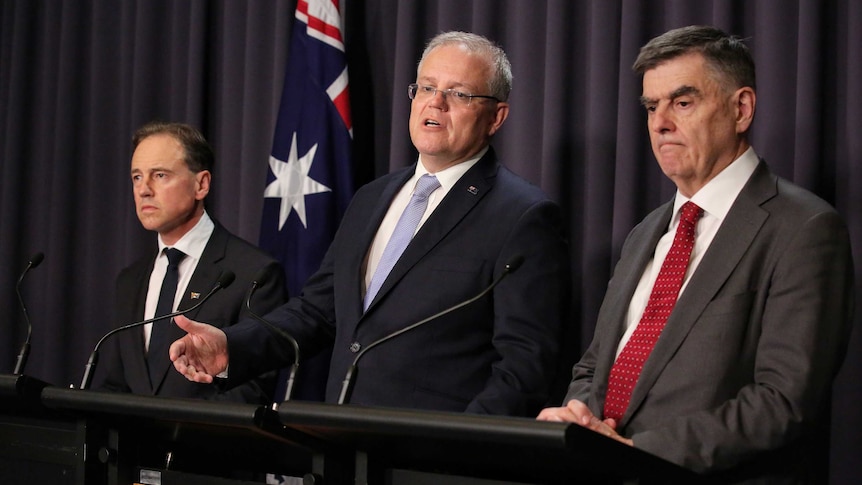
<point>193,242</point>
<point>718,195</point>
<point>449,176</point>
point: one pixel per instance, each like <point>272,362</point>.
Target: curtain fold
<point>77,77</point>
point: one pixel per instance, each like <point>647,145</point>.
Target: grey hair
<point>726,55</point>
<point>500,84</point>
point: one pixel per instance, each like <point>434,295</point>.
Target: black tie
<point>158,350</point>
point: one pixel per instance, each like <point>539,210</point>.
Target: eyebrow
<point>676,93</point>
<point>428,80</point>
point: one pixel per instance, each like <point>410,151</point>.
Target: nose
<point>661,120</point>
<point>440,101</point>
<point>142,187</point>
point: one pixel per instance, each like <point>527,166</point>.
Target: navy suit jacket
<point>740,377</point>
<point>124,365</point>
<point>496,355</point>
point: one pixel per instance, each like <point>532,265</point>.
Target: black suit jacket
<point>124,364</point>
<point>740,377</point>
<point>496,355</point>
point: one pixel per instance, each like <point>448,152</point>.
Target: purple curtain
<point>76,78</point>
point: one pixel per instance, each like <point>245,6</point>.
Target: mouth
<point>430,122</point>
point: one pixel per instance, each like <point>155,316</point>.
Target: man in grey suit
<point>736,380</point>
<point>171,171</point>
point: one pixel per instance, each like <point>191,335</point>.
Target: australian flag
<point>310,180</point>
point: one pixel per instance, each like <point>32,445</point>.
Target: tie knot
<point>174,256</point>
<point>426,184</point>
<point>690,213</point>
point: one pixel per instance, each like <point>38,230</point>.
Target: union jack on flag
<point>310,179</point>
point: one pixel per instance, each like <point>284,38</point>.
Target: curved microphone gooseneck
<point>277,331</point>
<point>224,280</point>
<point>350,376</point>
<point>25,348</point>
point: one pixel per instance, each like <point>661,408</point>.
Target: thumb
<point>189,326</point>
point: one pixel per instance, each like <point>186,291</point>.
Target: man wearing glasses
<point>415,243</point>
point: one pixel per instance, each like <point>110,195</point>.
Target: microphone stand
<point>277,331</point>
<point>350,376</point>
<point>25,347</point>
<point>225,279</point>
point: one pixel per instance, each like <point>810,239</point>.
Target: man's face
<point>696,128</point>
<point>168,196</point>
<point>444,132</point>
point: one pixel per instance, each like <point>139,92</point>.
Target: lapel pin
<point>195,295</point>
<point>472,189</point>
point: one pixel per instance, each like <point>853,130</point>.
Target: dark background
<point>77,77</point>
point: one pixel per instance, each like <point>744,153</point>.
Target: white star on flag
<point>292,183</point>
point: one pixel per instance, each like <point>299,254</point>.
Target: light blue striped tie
<point>402,234</point>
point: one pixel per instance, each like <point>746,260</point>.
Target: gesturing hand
<point>202,353</point>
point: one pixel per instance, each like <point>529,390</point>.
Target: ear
<point>745,101</point>
<point>202,184</point>
<point>501,112</point>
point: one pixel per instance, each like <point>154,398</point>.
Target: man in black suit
<point>495,356</point>
<point>171,172</point>
<point>733,376</point>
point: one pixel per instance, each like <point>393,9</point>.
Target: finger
<point>549,414</point>
<point>177,350</point>
<point>580,411</point>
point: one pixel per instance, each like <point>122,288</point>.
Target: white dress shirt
<point>715,198</point>
<point>192,244</point>
<point>447,178</point>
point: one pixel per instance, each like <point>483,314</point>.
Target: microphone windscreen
<point>514,263</point>
<point>260,277</point>
<point>226,278</point>
<point>36,259</point>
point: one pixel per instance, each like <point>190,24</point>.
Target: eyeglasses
<point>460,98</point>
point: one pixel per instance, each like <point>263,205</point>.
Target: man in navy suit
<point>738,380</point>
<point>171,171</point>
<point>496,355</point>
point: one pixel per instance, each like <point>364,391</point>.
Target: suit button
<point>355,346</point>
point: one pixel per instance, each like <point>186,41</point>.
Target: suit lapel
<point>366,237</point>
<point>202,281</point>
<point>731,242</point>
<point>136,290</point>
<point>628,271</point>
<point>464,195</point>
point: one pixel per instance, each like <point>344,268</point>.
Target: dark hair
<point>726,55</point>
<point>199,153</point>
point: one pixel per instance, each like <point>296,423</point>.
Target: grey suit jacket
<point>743,368</point>
<point>123,366</point>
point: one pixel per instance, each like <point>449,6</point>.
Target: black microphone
<point>347,386</point>
<point>224,280</point>
<point>277,331</point>
<point>25,348</point>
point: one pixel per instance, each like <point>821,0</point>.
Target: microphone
<point>349,378</point>
<point>276,330</point>
<point>25,348</point>
<point>224,280</point>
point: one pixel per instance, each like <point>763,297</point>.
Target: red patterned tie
<point>627,368</point>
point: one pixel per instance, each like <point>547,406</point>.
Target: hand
<point>578,412</point>
<point>202,353</point>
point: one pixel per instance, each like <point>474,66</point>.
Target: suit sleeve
<point>804,327</point>
<point>269,295</point>
<point>309,318</point>
<point>529,313</point>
